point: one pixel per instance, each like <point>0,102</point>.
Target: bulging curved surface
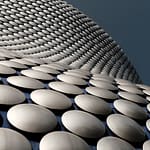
<point>66,140</point>
<point>132,97</point>
<point>130,109</point>
<point>4,70</point>
<point>65,88</point>
<point>37,74</point>
<point>56,31</point>
<point>146,145</point>
<point>81,111</point>
<point>31,118</point>
<point>10,95</point>
<point>93,104</point>
<point>13,140</point>
<point>103,93</point>
<point>113,143</point>
<point>25,82</point>
<point>51,99</point>
<point>71,79</point>
<point>48,41</point>
<point>83,124</point>
<point>125,128</point>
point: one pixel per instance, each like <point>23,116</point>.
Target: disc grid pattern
<point>91,109</point>
<point>65,84</point>
<point>54,30</point>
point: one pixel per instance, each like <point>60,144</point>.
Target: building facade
<point>65,83</point>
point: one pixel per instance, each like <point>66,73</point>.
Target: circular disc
<point>133,97</point>
<point>148,107</point>
<point>13,140</point>
<point>79,75</point>
<point>65,87</point>
<point>101,93</point>
<point>130,109</point>
<point>148,124</point>
<point>66,140</point>
<point>93,104</point>
<point>103,85</point>
<point>23,61</point>
<point>31,118</point>
<point>71,79</point>
<point>45,69</point>
<point>146,145</point>
<point>125,128</point>
<point>113,143</point>
<point>6,70</point>
<point>10,95</point>
<point>83,124</point>
<point>25,82</point>
<point>147,92</point>
<point>131,89</point>
<point>51,99</point>
<point>13,64</point>
<point>36,74</point>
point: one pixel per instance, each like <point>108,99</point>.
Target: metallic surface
<point>61,80</point>
<point>56,31</point>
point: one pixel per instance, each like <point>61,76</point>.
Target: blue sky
<point>128,22</point>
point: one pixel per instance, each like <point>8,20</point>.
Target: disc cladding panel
<point>56,31</point>
<point>47,116</point>
<point>52,57</point>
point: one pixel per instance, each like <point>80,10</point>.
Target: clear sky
<point>128,22</point>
